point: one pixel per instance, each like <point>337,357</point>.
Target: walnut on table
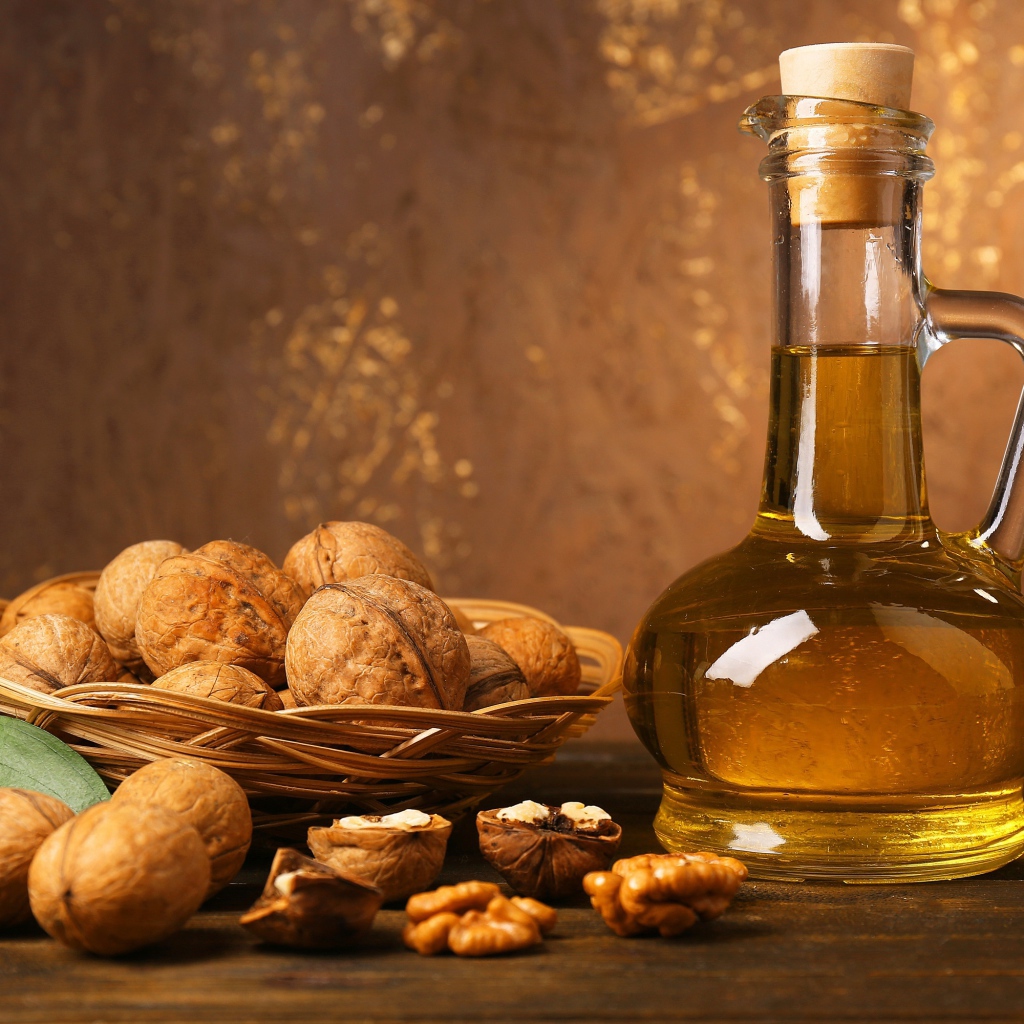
<point>474,919</point>
<point>666,893</point>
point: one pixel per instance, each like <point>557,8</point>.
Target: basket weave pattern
<point>305,766</point>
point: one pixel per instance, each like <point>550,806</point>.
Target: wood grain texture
<point>935,952</point>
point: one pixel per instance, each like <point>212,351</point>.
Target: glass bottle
<point>842,695</point>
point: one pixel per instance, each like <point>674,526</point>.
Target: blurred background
<point>490,274</point>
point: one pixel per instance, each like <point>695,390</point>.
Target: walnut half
<point>664,893</point>
<point>311,906</point>
<point>544,851</point>
<point>400,853</point>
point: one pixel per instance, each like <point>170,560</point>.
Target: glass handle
<point>962,314</point>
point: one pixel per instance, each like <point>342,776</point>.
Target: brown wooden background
<point>492,274</point>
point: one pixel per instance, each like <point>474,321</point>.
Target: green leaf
<point>31,758</point>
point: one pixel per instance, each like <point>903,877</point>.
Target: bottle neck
<point>844,456</point>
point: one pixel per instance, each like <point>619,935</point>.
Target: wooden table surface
<point>949,951</point>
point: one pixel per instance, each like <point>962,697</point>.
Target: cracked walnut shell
<point>377,640</point>
<point>119,592</point>
<point>494,678</point>
<point>666,893</point>
<point>311,906</point>
<point>223,602</point>
<point>545,654</point>
<point>229,683</point>
<point>49,652</point>
<point>26,819</point>
<point>206,798</point>
<point>547,855</point>
<point>117,877</point>
<point>337,552</point>
<point>399,853</point>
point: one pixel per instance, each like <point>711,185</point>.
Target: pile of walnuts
<point>350,618</point>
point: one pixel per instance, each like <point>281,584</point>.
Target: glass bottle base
<point>850,839</point>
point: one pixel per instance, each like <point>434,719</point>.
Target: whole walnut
<point>338,552</point>
<point>544,653</point>
<point>26,819</point>
<point>377,640</point>
<point>224,602</point>
<point>206,798</point>
<point>229,683</point>
<point>60,596</point>
<point>119,591</point>
<point>118,876</point>
<point>49,652</point>
<point>494,677</point>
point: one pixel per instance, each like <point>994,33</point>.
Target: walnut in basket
<point>400,853</point>
<point>119,592</point>
<point>48,652</point>
<point>377,640</point>
<point>223,602</point>
<point>494,677</point>
<point>66,595</point>
<point>544,653</point>
<point>229,683</point>
<point>205,797</point>
<point>336,552</point>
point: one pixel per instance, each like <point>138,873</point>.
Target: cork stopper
<point>879,73</point>
<point>876,73</point>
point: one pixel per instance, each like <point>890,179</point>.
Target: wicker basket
<point>305,766</point>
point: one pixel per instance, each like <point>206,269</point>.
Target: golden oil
<point>841,695</point>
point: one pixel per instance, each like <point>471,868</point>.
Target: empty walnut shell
<point>119,592</point>
<point>117,877</point>
<point>310,905</point>
<point>398,859</point>
<point>223,602</point>
<point>64,595</point>
<point>48,652</point>
<point>26,819</point>
<point>544,653</point>
<point>377,640</point>
<point>229,683</point>
<point>338,552</point>
<point>546,860</point>
<point>208,799</point>
<point>494,677</point>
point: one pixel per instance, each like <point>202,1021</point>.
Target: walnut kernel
<point>666,893</point>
